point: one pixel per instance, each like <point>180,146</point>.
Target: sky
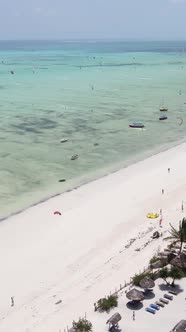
<point>93,19</point>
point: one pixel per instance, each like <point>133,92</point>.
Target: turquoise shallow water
<point>88,92</point>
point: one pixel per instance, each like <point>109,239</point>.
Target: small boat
<point>163,117</point>
<point>136,125</point>
<point>62,180</point>
<point>64,140</point>
<point>163,109</point>
<point>74,157</point>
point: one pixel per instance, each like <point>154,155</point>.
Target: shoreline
<point>81,181</point>
<point>101,240</point>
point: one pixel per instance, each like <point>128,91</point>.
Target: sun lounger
<point>160,304</point>
<point>152,311</point>
<point>164,301</point>
<point>155,306</point>
<point>173,292</point>
<point>167,296</point>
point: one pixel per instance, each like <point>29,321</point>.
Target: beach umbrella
<point>147,283</point>
<point>57,212</point>
<point>180,327</point>
<point>179,261</point>
<point>72,330</point>
<point>157,264</point>
<point>135,295</point>
<point>114,319</point>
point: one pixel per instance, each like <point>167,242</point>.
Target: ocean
<point>87,92</point>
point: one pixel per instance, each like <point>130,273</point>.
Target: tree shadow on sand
<point>164,287</point>
<point>134,306</point>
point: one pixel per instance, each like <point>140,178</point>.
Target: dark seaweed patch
<point>24,127</point>
<point>36,125</point>
<point>4,155</point>
<point>80,125</point>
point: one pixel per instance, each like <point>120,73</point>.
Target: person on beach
<point>162,191</point>
<point>12,301</point>
<point>168,170</point>
<point>182,208</point>
<point>133,316</point>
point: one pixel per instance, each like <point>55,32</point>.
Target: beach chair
<point>173,292</point>
<point>160,304</point>
<point>167,296</point>
<point>154,306</point>
<point>152,311</point>
<point>164,300</point>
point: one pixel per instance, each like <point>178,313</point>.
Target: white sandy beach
<point>89,250</point>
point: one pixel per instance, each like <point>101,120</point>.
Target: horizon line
<point>94,39</point>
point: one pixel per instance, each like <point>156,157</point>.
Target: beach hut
<point>113,320</point>
<point>179,261</point>
<point>180,327</point>
<point>135,295</point>
<point>147,283</point>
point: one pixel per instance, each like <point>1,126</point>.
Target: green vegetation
<point>174,272</point>
<point>83,325</point>
<point>178,235</point>
<point>105,304</point>
<point>154,259</point>
<point>138,277</point>
<point>164,274</point>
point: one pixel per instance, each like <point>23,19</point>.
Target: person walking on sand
<point>160,221</point>
<point>182,208</point>
<point>133,316</point>
<point>12,301</point>
<point>162,191</point>
<point>168,170</point>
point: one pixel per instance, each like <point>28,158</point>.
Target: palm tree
<point>175,273</point>
<point>178,235</point>
<point>164,274</point>
<point>83,325</point>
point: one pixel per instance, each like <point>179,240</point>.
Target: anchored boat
<point>136,125</point>
<point>163,109</point>
<point>74,157</point>
<point>163,117</point>
<point>64,140</point>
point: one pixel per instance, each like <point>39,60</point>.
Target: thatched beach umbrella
<point>147,283</point>
<point>71,330</point>
<point>158,264</point>
<point>114,319</point>
<point>135,295</point>
<point>180,327</point>
<point>179,261</point>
